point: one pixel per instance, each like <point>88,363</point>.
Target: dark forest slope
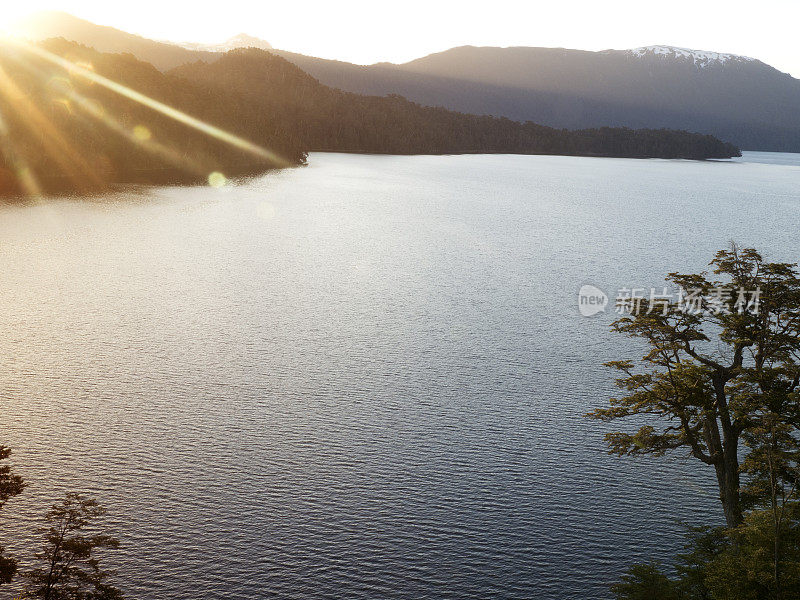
<point>325,118</point>
<point>734,98</point>
<point>738,99</point>
<point>73,134</point>
<point>66,128</point>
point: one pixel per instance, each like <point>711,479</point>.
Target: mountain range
<point>738,99</point>
<point>735,98</point>
<point>76,120</point>
<point>51,24</point>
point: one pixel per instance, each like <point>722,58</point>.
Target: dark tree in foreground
<point>719,361</point>
<point>70,569</point>
<point>720,382</point>
<point>10,485</point>
<point>726,564</point>
<point>645,582</point>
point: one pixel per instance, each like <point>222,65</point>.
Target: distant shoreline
<point>124,121</point>
<point>58,186</point>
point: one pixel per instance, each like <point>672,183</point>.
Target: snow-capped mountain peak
<point>701,58</point>
<point>238,41</point>
<point>247,41</point>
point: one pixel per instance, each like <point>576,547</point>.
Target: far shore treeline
<point>62,132</point>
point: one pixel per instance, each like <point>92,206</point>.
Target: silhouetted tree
<point>645,582</point>
<point>70,570</point>
<point>726,564</point>
<point>711,369</point>
<point>721,381</point>
<point>11,484</point>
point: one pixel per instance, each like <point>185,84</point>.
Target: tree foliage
<point>70,569</point>
<point>645,582</point>
<point>720,383</point>
<point>711,373</point>
<point>11,485</point>
<point>722,564</point>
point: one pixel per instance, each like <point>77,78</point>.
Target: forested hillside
<point>61,131</point>
<point>329,119</point>
<point>82,127</point>
<point>734,98</point>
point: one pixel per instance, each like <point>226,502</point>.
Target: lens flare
<point>20,167</point>
<point>65,97</point>
<point>76,69</point>
<point>142,133</point>
<point>70,162</point>
<point>217,179</point>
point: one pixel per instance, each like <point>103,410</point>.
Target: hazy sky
<point>370,31</point>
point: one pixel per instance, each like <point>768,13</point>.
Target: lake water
<point>365,378</point>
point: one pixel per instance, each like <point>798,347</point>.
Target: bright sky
<point>365,31</point>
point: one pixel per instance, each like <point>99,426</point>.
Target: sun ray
<point>155,105</point>
<point>18,164</point>
<point>139,135</point>
<point>59,149</point>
